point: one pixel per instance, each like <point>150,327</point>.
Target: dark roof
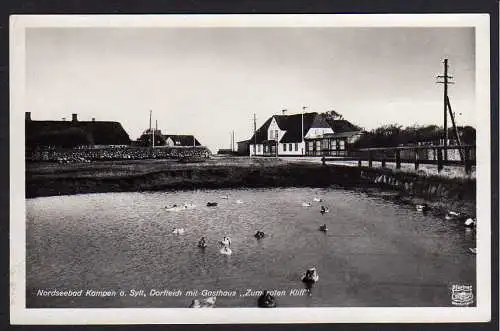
<point>182,140</point>
<point>74,133</point>
<point>293,123</point>
<point>347,134</point>
<point>261,134</point>
<point>342,126</point>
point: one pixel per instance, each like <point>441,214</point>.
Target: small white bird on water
<point>226,250</point>
<point>306,204</point>
<point>239,201</point>
<point>178,231</point>
<point>317,200</point>
<point>452,215</point>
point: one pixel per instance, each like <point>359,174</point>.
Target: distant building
<point>243,147</point>
<point>310,134</point>
<point>180,140</point>
<point>170,140</point>
<point>74,133</point>
<point>225,151</point>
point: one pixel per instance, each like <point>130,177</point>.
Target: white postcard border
<point>20,315</point>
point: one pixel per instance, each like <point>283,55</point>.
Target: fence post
<point>468,167</point>
<point>383,162</point>
<point>440,159</point>
<point>398,159</point>
<point>360,157</point>
<point>370,159</point>
<point>417,164</point>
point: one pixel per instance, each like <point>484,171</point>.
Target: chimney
<point>28,116</point>
<point>283,112</point>
<point>74,117</point>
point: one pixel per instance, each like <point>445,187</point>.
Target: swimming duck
<point>209,302</point>
<point>324,209</point>
<point>211,204</point>
<point>310,276</point>
<point>451,215</point>
<point>189,206</point>
<point>423,207</point>
<point>226,242</point>
<point>195,304</point>
<point>206,303</point>
<point>470,222</point>
<point>306,204</point>
<point>259,235</point>
<point>323,228</point>
<point>173,208</point>
<point>225,197</point>
<point>178,231</point>
<point>226,250</point>
<point>317,200</point>
<point>266,300</point>
<point>202,243</point>
<point>239,201</point>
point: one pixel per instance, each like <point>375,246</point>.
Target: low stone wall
<point>116,153</point>
<point>427,187</point>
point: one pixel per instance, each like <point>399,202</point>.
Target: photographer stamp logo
<point>461,295</point>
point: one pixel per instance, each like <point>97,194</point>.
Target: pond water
<point>375,253</point>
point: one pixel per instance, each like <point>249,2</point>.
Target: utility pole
<point>254,135</point>
<point>232,146</point>
<point>445,105</point>
<point>150,129</point>
<point>302,131</point>
<point>156,129</point>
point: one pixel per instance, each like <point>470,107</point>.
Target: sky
<point>210,81</point>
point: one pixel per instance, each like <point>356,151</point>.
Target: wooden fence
<point>464,155</point>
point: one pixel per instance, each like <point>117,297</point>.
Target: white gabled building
<point>301,134</point>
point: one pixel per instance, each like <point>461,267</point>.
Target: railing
<point>464,155</point>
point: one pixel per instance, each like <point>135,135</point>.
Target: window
<point>296,147</point>
<point>258,148</point>
<point>318,145</point>
<point>284,147</point>
<point>342,145</point>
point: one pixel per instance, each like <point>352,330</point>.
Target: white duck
<point>470,222</point>
<point>226,250</point>
<point>317,200</point>
<point>209,302</point>
<point>306,204</point>
<point>174,208</point>
<point>178,231</point>
<point>189,206</point>
<point>226,242</point>
<point>452,215</point>
<point>239,201</point>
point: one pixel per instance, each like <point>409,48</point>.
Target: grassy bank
<point>48,179</point>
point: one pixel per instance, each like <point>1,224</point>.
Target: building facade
<point>306,134</point>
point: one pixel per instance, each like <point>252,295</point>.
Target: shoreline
<point>457,194</point>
